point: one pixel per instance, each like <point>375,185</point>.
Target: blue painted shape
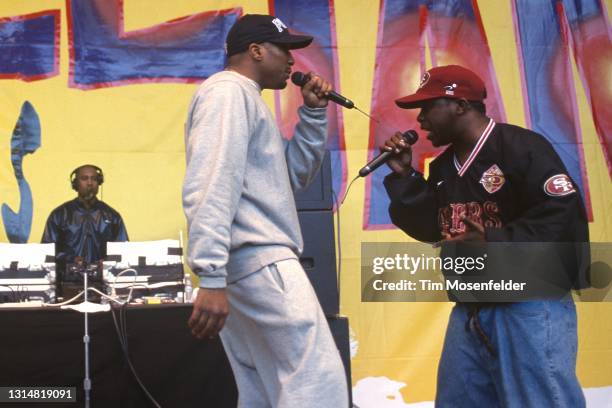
<point>309,18</point>
<point>25,140</point>
<point>28,47</point>
<point>394,10</point>
<point>379,200</point>
<point>313,18</point>
<point>582,10</point>
<point>101,57</point>
<point>450,8</point>
<point>552,109</point>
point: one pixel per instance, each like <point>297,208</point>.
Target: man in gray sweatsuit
<point>244,235</point>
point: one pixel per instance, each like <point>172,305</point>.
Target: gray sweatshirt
<point>240,177</point>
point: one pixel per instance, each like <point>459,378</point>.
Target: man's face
<point>275,66</point>
<point>87,183</point>
<point>438,118</point>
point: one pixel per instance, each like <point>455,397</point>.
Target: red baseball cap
<point>450,81</point>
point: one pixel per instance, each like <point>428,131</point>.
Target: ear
<point>256,51</point>
<point>462,106</point>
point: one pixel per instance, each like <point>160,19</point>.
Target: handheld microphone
<point>300,79</point>
<point>410,136</point>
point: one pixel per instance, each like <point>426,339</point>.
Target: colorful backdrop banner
<point>545,32</point>
<point>109,82</point>
<point>29,45</point>
<point>102,53</point>
<point>315,18</point>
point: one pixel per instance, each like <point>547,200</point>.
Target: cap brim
<point>294,42</point>
<point>415,100</point>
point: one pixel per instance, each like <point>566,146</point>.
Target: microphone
<point>410,136</point>
<point>300,79</point>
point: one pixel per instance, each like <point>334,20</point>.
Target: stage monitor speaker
<point>340,331</point>
<point>319,257</point>
<point>318,195</point>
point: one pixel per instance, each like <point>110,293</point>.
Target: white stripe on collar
<point>481,141</point>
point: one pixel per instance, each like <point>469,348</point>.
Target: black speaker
<point>318,195</point>
<point>319,257</point>
<point>340,331</point>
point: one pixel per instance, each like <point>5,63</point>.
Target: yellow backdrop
<point>135,134</point>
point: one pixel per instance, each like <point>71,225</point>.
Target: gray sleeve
<point>304,152</point>
<point>216,142</point>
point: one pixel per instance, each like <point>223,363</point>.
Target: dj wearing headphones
<point>80,228</point>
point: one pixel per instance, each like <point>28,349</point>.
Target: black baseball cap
<point>259,28</point>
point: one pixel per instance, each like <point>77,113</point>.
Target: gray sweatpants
<point>279,344</point>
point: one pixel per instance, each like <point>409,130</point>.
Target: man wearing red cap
<point>244,235</point>
<point>494,183</point>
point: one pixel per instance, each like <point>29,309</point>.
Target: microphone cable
<point>299,79</point>
<point>121,330</point>
<point>338,244</point>
<point>348,189</point>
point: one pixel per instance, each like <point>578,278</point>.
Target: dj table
<point>44,347</point>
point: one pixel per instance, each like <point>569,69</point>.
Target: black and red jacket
<point>513,183</point>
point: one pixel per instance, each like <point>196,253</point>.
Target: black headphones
<point>73,175</point>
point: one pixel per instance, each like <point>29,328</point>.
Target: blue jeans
<point>529,361</point>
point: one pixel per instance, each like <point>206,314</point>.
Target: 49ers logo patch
<point>493,179</point>
<point>559,185</point>
<point>424,79</point>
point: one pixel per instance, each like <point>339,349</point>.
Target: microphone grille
<point>299,78</point>
<point>410,136</point>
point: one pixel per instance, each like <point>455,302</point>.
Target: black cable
<point>12,293</point>
<point>339,264</point>
<point>121,329</point>
<point>123,322</point>
<point>338,232</point>
<point>124,343</point>
<point>473,318</point>
<point>349,188</point>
